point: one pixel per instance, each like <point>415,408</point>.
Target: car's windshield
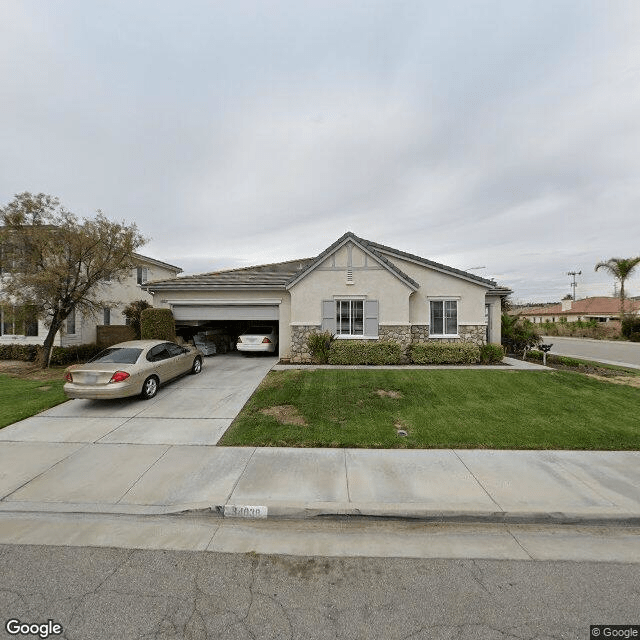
<point>259,330</point>
<point>120,355</point>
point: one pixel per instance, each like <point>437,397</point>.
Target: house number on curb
<point>244,511</point>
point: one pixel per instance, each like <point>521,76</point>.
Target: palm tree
<point>620,269</point>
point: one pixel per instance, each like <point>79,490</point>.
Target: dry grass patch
<point>285,414</point>
<point>631,381</point>
<point>388,394</point>
<point>30,371</point>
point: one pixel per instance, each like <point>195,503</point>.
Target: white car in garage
<point>258,339</point>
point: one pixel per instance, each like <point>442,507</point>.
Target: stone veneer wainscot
<point>402,334</point>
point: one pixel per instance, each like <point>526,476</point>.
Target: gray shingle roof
<point>368,246</point>
<point>279,275</point>
<point>265,276</point>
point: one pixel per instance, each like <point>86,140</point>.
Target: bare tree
<point>54,262</point>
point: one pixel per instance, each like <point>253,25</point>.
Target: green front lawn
<point>438,409</point>
<point>20,399</point>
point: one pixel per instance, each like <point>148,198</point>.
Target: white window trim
<point>444,336</point>
<point>353,336</point>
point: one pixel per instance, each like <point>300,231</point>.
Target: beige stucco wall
<point>162,298</point>
<point>399,304</point>
<point>434,285</point>
<point>119,295</point>
<point>495,314</point>
<point>369,280</point>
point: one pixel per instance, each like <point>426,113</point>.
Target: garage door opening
<point>217,336</point>
<point>216,324</point>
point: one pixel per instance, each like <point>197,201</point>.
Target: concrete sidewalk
<point>438,485</point>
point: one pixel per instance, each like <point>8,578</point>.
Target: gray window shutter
<point>370,317</point>
<point>329,316</point>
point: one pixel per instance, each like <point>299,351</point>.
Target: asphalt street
<point>608,351</point>
<point>114,593</point>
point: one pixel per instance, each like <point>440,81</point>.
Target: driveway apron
<point>88,453</point>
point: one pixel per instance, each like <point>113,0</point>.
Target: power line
<point>574,284</point>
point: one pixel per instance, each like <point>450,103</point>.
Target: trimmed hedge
<point>157,324</point>
<point>25,352</point>
<point>365,352</point>
<point>491,354</point>
<point>60,356</point>
<point>444,353</point>
<point>63,356</point>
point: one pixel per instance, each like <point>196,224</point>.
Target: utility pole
<point>573,284</point>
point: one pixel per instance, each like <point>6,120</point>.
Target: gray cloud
<point>495,134</point>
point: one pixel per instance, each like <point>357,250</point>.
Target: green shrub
<point>491,353</point>
<point>631,329</point>
<point>157,324</point>
<point>444,353</point>
<point>26,352</point>
<point>132,312</point>
<point>319,346</point>
<point>63,356</point>
<point>518,334</point>
<point>346,352</point>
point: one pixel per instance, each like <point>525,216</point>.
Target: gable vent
<point>349,275</point>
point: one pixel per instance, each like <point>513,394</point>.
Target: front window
<point>444,318</point>
<point>350,317</point>
<point>106,312</point>
<point>71,322</point>
<point>22,321</point>
<point>141,275</point>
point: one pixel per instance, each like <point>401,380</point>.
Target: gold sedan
<point>137,367</point>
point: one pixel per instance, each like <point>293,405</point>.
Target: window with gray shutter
<point>371,318</point>
<point>329,316</point>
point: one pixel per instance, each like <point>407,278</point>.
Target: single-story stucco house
<point>357,289</point>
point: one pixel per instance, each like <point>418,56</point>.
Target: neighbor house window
<point>141,275</point>
<point>21,321</point>
<point>71,322</point>
<point>350,317</point>
<point>444,318</point>
<point>106,312</point>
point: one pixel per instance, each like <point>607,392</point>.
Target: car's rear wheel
<point>149,388</point>
<point>197,365</point>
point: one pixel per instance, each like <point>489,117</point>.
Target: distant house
<point>356,289</point>
<point>24,328</point>
<point>600,309</point>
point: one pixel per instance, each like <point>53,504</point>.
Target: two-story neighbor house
<point>357,289</point>
<point>22,328</point>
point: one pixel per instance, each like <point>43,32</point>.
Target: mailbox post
<point>545,348</point>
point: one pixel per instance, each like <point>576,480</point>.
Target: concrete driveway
<point>188,411</point>
<point>86,452</point>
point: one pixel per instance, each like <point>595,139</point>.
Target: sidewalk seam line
<point>478,481</point>
<point>235,484</point>
<point>520,544</point>
<point>142,474</point>
<point>346,476</point>
<point>4,498</point>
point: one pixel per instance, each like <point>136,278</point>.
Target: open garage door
<point>225,310</point>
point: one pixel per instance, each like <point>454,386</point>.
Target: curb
<point>293,511</point>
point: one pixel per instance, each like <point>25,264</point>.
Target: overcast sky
<point>494,134</point>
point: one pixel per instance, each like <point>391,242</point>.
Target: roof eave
<point>338,244</point>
